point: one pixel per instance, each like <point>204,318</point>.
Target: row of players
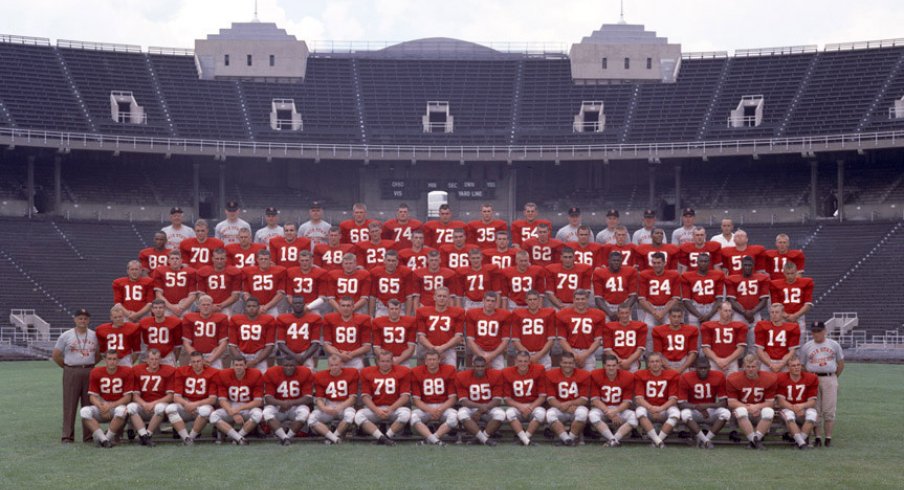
<point>480,400</point>
<point>439,232</point>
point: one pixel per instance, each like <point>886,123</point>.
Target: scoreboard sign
<point>412,189</point>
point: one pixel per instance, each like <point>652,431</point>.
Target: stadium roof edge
<point>93,46</point>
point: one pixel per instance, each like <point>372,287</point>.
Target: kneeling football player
<point>110,390</point>
<point>289,391</point>
<point>385,392</point>
<point>241,394</point>
<point>701,398</point>
<point>479,397</point>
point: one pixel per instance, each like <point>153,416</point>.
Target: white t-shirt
<point>266,233</point>
<point>569,233</point>
<point>644,236</point>
<point>174,236</point>
<point>720,239</point>
<point>607,236</point>
<point>683,235</point>
<point>316,232</point>
<point>228,231</point>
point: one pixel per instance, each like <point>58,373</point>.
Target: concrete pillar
<point>814,180</point>
<point>222,190</point>
<point>652,199</point>
<point>196,189</point>
<point>58,185</point>
<point>30,185</point>
<point>840,190</point>
<point>678,205</point>
<point>607,176</point>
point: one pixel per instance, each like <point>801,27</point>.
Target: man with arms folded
<point>221,282</point>
<point>724,341</point>
<point>433,387</point>
<point>195,394</point>
<point>611,392</point>
<point>162,333</point>
<point>751,398</point>
<point>676,341</point>
<point>567,393</point>
<point>153,391</point>
<point>702,399</point>
<point>134,292</point>
<point>206,332</point>
<point>824,358</point>
<point>252,335</point>
<point>524,389</point>
<point>702,291</point>
<point>241,396</point>
<point>656,398</point>
<point>288,392</point>
<point>385,393</point>
<point>110,390</point>
<point>335,392</point>
<point>614,285</point>
<point>480,397</point>
<point>396,334</point>
<point>534,330</point>
<point>564,278</point>
<point>176,284</point>
<point>347,334</point>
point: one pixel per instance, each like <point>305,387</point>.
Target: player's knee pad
<point>87,413</point>
<point>723,414</point>
<point>464,413</point>
<point>348,415</point>
<point>789,415</point>
<point>160,409</point>
<point>811,415</point>
<point>360,417</point>
<point>497,414</point>
<point>511,414</point>
<point>302,413</point>
<point>205,411</point>
<point>630,417</point>
<point>120,412</point>
<point>270,412</point>
<point>552,415</point>
<point>686,415</point>
<point>673,415</point>
<point>641,412</point>
<point>415,418</point>
<point>741,413</point>
<point>451,419</point>
<point>256,415</point>
<point>581,414</point>
<point>767,413</point>
<point>132,408</point>
<point>216,416</point>
<point>539,414</point>
<point>403,415</point>
<point>595,416</point>
<point>172,413</point>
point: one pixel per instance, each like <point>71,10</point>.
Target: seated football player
<point>385,393</point>
<point>153,392</point>
<point>194,395</point>
<point>795,395</point>
<point>110,391</point>
<point>524,388</point>
<point>241,395</point>
<point>568,390</point>
<point>751,397</point>
<point>612,390</point>
<point>656,397</point>
<point>433,387</point>
<point>288,394</point>
<point>701,398</point>
<point>335,393</point>
<point>480,400</point>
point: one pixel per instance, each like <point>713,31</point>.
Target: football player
<point>702,290</point>
<point>197,251</point>
<point>153,391</point>
<point>241,396</point>
<point>525,229</point>
<point>355,230</point>
<point>265,282</point>
<point>385,393</point>
<point>480,400</point>
<point>390,281</point>
<point>439,232</point>
<point>751,397</point>
<point>134,292</point>
<point>288,392</point>
<point>503,254</point>
<point>162,333</point>
<point>795,396</point>
<point>194,395</point>
<point>206,332</point>
<point>516,281</point>
<point>455,255</point>
<point>372,252</point>
<point>396,334</point>
<point>284,250</point>
<point>176,284</point>
<point>580,330</point>
<point>612,390</point>
<point>657,245</point>
<point>335,393</point>
<point>298,334</point>
<point>566,277</point>
<point>524,389</point>
<point>400,228</point>
<point>656,397</point>
<point>252,335</point>
<point>568,390</point>
<point>534,330</point>
<point>244,253</point>
<point>777,340</point>
<point>153,257</point>
<point>724,341</point>
<point>349,281</point>
<point>659,290</point>
<point>748,294</point>
<point>475,280</point>
<point>488,331</point>
<point>482,232</point>
<point>433,387</point>
<point>702,399</point>
<point>625,339</point>
<point>543,250</point>
<point>415,256</point>
<point>308,282</point>
<point>428,279</point>
<point>441,327</point>
<point>347,334</point>
<point>795,293</point>
<point>110,390</point>
<point>221,281</point>
<point>120,336</point>
<point>676,341</point>
<point>329,255</point>
<point>774,260</point>
<point>614,285</point>
<point>689,252</point>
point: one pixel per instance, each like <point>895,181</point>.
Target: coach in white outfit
<point>824,357</point>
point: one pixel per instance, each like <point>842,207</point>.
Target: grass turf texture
<point>866,453</point>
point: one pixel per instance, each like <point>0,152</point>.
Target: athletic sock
<point>99,436</point>
<point>280,433</point>
<point>242,432</point>
<point>234,435</point>
<point>143,432</point>
<point>331,437</point>
<point>377,434</point>
<point>183,433</point>
<point>800,439</point>
<point>290,434</point>
<point>758,435</point>
<point>432,439</point>
<point>564,436</point>
<point>605,432</point>
<point>751,436</point>
<point>389,433</point>
<point>701,437</point>
<point>110,434</point>
<point>524,437</point>
<point>482,436</point>
<point>662,435</point>
<point>193,434</point>
<point>654,437</point>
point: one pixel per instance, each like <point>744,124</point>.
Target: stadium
<point>100,143</point>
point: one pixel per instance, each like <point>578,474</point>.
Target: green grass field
<point>866,453</point>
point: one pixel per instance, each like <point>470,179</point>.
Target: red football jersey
<point>126,338</point>
<point>751,391</point>
<point>163,336</point>
<point>204,334</point>
<point>235,390</point>
<point>357,284</point>
<point>282,387</point>
<point>286,254</point>
<point>426,282</point>
<point>440,327</point>
<point>330,258</point>
<point>524,388</point>
<point>474,284</point>
<point>793,295</point>
<point>567,388</point>
<point>515,283</point>
<point>484,234</point>
<point>646,251</point>
<point>151,258</point>
<point>675,345</point>
<point>732,258</point>
<point>630,257</point>
<point>777,340</point>
<point>394,336</point>
<point>774,262</point>
<point>523,230</point>
<point>488,331</point>
<point>336,388</point>
<point>479,390</point>
<point>452,257</point>
<point>196,254</point>
<point>371,254</point>
<point>800,391</point>
<point>696,391</point>
<point>385,389</point>
<point>543,254</point>
<point>133,295</point>
<point>723,339</point>
<point>612,392</point>
<point>659,290</point>
<point>748,291</point>
<point>309,285</point>
<point>591,254</point>
<point>110,387</point>
<point>152,386</point>
<point>414,260</point>
<point>219,285</point>
<point>194,386</point>
<point>264,284</point>
<point>689,254</point>
<point>615,287</point>
<point>176,285</point>
<point>243,257</point>
<point>502,260</point>
<point>624,340</point>
<point>702,289</point>
<point>433,387</point>
<point>437,233</point>
<point>251,336</point>
<point>533,330</point>
<point>656,390</point>
<point>400,233</point>
<point>354,232</point>
<point>298,333</point>
<point>564,282</point>
<point>580,329</point>
<point>398,285</point>
<point>346,335</point>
